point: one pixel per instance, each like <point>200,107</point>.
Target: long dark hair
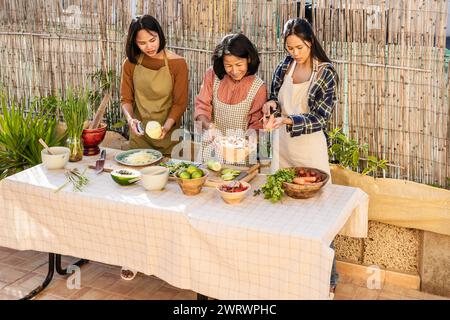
<point>302,29</point>
<point>237,45</point>
<point>145,22</point>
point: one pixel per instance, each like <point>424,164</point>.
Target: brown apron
<point>152,102</point>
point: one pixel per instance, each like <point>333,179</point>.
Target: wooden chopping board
<point>214,179</point>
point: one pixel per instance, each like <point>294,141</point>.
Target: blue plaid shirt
<point>321,100</point>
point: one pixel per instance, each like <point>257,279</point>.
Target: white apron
<point>306,150</point>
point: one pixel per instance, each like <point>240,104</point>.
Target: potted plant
<point>20,130</point>
<point>75,110</point>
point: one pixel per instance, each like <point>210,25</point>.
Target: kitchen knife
<point>100,163</point>
<point>243,174</point>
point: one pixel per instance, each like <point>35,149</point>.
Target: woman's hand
<point>275,123</point>
<point>166,128</point>
<point>132,124</point>
<point>268,107</point>
<point>210,133</point>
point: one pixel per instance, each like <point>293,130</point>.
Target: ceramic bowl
<point>154,178</point>
<point>57,160</point>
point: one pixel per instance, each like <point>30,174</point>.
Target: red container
<point>92,138</point>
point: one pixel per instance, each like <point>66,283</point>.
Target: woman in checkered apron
<point>303,96</point>
<point>231,97</point>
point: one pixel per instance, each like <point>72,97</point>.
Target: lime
<point>191,169</point>
<point>214,165</point>
<point>197,174</point>
<point>185,175</point>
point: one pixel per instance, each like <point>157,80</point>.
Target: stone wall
<point>410,251</point>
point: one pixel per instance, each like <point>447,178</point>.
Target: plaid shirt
<point>321,100</point>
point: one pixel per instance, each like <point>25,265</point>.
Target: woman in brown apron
<point>154,87</point>
<point>231,97</point>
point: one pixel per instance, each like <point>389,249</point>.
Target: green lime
<point>197,174</point>
<point>191,169</point>
<point>185,175</point>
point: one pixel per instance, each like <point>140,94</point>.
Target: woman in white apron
<point>231,97</point>
<point>301,101</point>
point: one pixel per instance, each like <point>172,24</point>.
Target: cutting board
<point>214,179</point>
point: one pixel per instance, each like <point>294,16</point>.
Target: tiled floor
<point>22,271</point>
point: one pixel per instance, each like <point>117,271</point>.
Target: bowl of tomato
<point>233,192</point>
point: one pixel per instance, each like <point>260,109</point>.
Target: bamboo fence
<point>393,91</point>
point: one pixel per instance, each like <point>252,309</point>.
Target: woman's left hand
<point>275,123</point>
<point>166,128</point>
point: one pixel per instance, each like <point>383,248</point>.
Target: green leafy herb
<point>79,180</point>
<point>273,188</point>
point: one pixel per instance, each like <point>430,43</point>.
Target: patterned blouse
<point>321,99</point>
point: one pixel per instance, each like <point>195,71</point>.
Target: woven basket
<point>298,191</point>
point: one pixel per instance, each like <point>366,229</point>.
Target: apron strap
<point>141,57</point>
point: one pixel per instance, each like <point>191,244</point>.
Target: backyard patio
<point>387,209</point>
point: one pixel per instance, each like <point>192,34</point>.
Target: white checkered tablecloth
<point>253,250</point>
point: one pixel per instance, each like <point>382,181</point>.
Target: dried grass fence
<point>394,91</point>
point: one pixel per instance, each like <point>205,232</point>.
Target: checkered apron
<point>230,120</point>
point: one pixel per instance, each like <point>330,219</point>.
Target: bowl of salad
<point>233,192</point>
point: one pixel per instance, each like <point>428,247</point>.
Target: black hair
<point>145,22</point>
<point>303,29</point>
<point>237,45</point>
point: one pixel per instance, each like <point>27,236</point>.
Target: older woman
<point>231,96</point>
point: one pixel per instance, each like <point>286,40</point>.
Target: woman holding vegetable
<point>154,85</point>
<point>303,96</point>
<point>232,95</point>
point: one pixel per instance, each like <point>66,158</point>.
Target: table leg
<point>51,271</point>
<point>62,271</point>
<point>52,259</point>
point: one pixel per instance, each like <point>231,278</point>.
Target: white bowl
<point>57,160</point>
<point>154,178</point>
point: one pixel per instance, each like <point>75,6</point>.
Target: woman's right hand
<point>210,133</point>
<point>268,107</point>
<point>132,123</point>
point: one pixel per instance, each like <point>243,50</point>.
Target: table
<point>253,250</point>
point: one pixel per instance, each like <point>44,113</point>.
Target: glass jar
<point>75,145</point>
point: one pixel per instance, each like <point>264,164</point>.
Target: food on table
<point>214,165</point>
<point>273,188</point>
<point>140,157</point>
<point>306,176</point>
<point>174,167</point>
<point>125,176</point>
<point>233,192</point>
<point>192,172</point>
<point>153,129</point>
<point>232,142</point>
<point>234,186</point>
<point>229,174</point>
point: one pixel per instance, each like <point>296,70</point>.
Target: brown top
<point>179,72</point>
